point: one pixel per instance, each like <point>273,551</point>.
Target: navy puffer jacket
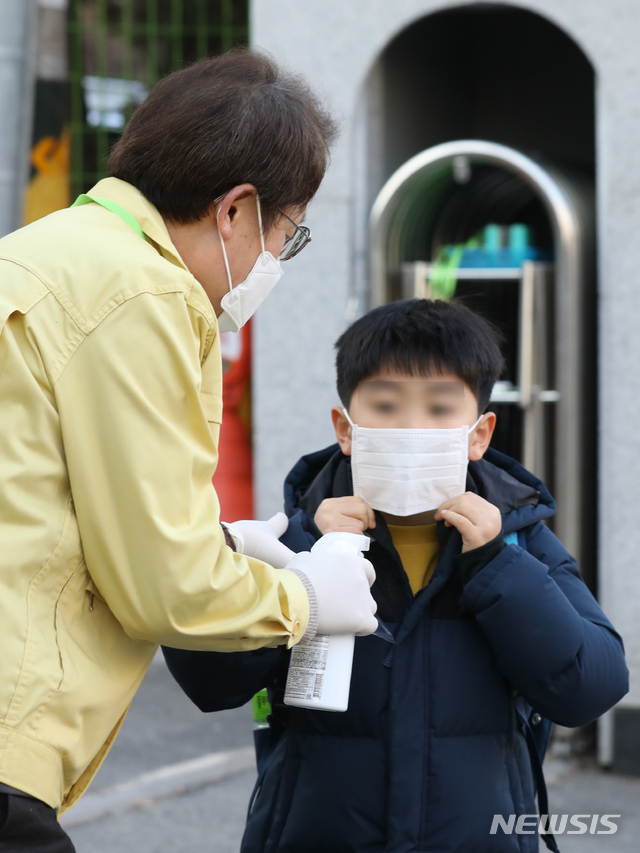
<point>441,733</point>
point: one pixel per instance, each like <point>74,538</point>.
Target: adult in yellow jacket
<point>110,401</point>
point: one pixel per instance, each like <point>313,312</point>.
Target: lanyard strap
<point>131,221</point>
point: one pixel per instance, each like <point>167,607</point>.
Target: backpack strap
<point>536,766</point>
<point>523,711</point>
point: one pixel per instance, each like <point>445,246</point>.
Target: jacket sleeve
<point>552,641</point>
<point>140,412</point>
<point>216,681</point>
<point>302,533</point>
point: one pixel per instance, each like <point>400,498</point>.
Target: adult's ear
<point>481,436</point>
<point>239,201</point>
<point>343,429</point>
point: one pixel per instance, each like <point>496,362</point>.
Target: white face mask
<point>243,300</point>
<point>408,471</point>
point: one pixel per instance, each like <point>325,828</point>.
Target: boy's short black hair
<point>421,337</point>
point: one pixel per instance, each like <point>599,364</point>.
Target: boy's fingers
<point>455,519</point>
<point>368,517</point>
<point>371,517</point>
<point>448,506</point>
<point>450,503</point>
<point>349,514</point>
<point>465,505</point>
<point>364,512</point>
<point>348,524</point>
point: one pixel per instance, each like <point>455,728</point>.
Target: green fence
<point>119,49</point>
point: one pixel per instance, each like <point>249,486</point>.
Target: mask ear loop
<point>346,414</point>
<point>472,428</point>
<point>224,251</point>
<point>260,221</point>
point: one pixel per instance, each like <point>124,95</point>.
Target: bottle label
<point>307,668</point>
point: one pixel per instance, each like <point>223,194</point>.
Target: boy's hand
<point>348,515</point>
<point>477,521</point>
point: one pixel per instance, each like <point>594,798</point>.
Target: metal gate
<point>546,307</point>
<point>119,49</point>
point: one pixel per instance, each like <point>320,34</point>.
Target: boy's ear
<point>481,437</point>
<point>343,429</point>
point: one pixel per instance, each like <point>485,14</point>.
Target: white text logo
<point>557,824</point>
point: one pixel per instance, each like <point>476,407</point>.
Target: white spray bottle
<point>320,670</point>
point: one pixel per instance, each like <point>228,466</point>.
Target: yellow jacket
<point>110,406</point>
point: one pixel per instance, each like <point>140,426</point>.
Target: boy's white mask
<point>243,300</point>
<point>408,471</point>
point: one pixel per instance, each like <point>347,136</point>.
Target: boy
<point>445,728</point>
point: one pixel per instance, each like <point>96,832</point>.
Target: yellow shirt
<point>110,402</point>
<point>418,548</point>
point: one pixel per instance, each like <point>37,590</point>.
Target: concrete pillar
<point>17,75</point>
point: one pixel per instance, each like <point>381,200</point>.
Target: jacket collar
<point>147,215</point>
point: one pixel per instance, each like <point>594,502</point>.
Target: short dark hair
<point>421,337</point>
<point>224,121</point>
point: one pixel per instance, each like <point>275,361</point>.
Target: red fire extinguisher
<point>233,479</point>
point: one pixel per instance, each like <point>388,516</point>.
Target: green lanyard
<point>114,208</point>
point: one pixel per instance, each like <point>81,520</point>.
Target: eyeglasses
<point>295,244</point>
<point>292,245</point>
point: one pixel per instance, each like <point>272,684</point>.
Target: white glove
<point>338,589</point>
<point>259,539</point>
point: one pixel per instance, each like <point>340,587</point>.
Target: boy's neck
<point>422,518</point>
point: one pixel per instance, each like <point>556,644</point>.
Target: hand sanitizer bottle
<point>320,670</point>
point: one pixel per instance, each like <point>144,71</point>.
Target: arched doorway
<point>505,94</point>
<point>487,71</point>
